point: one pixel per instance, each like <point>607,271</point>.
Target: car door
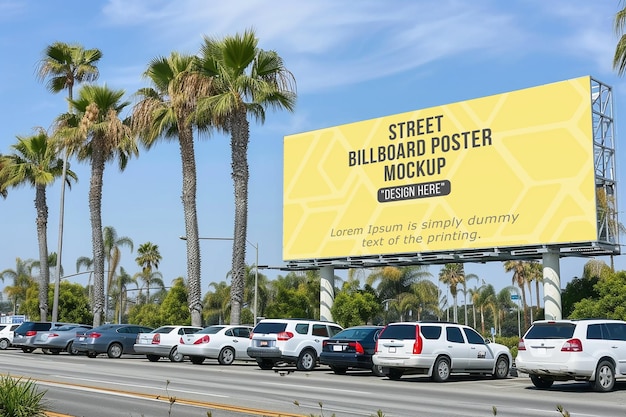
<point>457,348</point>
<point>241,341</point>
<point>617,345</point>
<point>480,356</point>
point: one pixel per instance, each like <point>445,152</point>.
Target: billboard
<point>508,170</point>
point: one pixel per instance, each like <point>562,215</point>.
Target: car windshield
<point>270,327</point>
<point>65,327</point>
<point>399,332</point>
<point>210,330</point>
<point>163,329</point>
<point>355,334</point>
<point>551,330</point>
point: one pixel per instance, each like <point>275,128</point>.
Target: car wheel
<point>540,382</point>
<point>306,360</point>
<point>605,377</point>
<point>265,364</point>
<point>153,358</point>
<point>441,371</point>
<point>502,368</point>
<point>4,344</point>
<point>378,370</point>
<point>339,370</point>
<point>91,354</point>
<point>394,374</point>
<point>115,351</point>
<point>226,356</point>
<point>196,360</point>
<point>71,349</point>
<point>175,356</point>
<point>27,350</point>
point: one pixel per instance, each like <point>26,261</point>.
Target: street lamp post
<point>256,267</point>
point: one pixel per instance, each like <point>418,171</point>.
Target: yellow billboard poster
<point>508,170</point>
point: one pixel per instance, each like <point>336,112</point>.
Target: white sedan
<point>163,342</point>
<point>222,342</point>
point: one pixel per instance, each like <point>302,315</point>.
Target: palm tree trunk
<point>44,271</point>
<point>239,153</point>
<point>95,209</point>
<point>194,301</point>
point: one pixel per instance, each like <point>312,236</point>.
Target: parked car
<point>438,350</point>
<point>6,335</point>
<point>222,342</point>
<point>112,339</point>
<point>351,348</point>
<point>580,350</point>
<point>60,338</point>
<point>298,341</point>
<point>24,334</point>
<point>163,342</point>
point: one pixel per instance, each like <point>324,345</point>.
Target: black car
<point>352,348</point>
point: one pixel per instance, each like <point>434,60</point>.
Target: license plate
<point>81,338</point>
<point>264,343</point>
<point>337,348</point>
<point>144,342</point>
<point>392,350</point>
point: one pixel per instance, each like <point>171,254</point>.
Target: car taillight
<point>251,334</point>
<point>203,339</point>
<point>357,347</point>
<point>30,333</point>
<point>52,335</point>
<point>284,336</point>
<point>417,346</point>
<point>324,343</point>
<point>156,339</point>
<point>572,345</point>
<point>93,335</point>
<point>521,345</point>
<point>181,341</point>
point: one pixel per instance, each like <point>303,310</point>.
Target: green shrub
<point>20,398</point>
<point>510,342</point>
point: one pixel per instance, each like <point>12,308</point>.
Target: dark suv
<point>24,335</point>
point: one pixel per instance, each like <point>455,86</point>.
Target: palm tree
<point>465,291</point>
<point>21,277</point>
<point>106,137</point>
<point>519,278</point>
<point>112,255</point>
<point>65,65</point>
<point>87,263</point>
<point>246,81</point>
<point>124,279</point>
<point>165,111</point>
<point>619,58</point>
<point>35,163</point>
<point>452,275</point>
<point>150,278</point>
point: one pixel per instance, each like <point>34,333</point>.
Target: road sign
<point>514,297</point>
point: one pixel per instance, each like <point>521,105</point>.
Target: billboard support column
<point>552,286</point>
<point>327,292</point>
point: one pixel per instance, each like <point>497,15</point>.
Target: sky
<point>352,60</point>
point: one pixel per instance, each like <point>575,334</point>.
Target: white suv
<point>438,349</point>
<point>581,350</point>
<point>298,341</point>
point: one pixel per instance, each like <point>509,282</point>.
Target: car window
<point>333,330</point>
<point>399,332</point>
<point>241,332</point>
<point>320,330</point>
<point>229,332</point>
<point>210,330</point>
<point>594,332</point>
<point>454,335</point>
<point>473,337</point>
<point>302,328</point>
<point>617,331</point>
<point>163,329</point>
<point>551,331</point>
<point>3,327</point>
<point>42,326</point>
<point>270,327</point>
<point>431,332</point>
<point>189,330</point>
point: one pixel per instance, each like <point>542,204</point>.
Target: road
<point>132,387</point>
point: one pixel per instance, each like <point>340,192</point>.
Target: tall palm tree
<point>149,279</point>
<point>165,111</point>
<point>106,137</point>
<point>465,291</point>
<point>87,263</point>
<point>619,58</point>
<point>519,278</point>
<point>64,65</point>
<point>112,255</point>
<point>35,163</point>
<point>246,81</point>
<point>453,275</point>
